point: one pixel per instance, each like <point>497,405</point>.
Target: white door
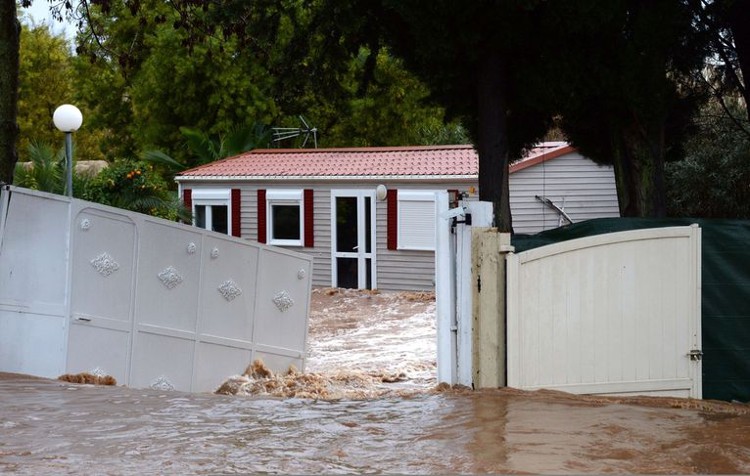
<point>353,239</point>
<point>608,314</point>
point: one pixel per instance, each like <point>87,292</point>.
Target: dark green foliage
<point>134,185</point>
<point>619,76</point>
<point>236,63</point>
<point>446,44</point>
<point>725,26</point>
<point>10,43</point>
<point>485,63</point>
<point>143,84</point>
<point>713,181</point>
<point>202,148</point>
<point>625,91</point>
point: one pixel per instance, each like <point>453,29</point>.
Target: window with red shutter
<point>261,216</point>
<point>309,218</point>
<point>236,205</point>
<point>392,223</point>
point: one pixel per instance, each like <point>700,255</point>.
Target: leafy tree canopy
<point>713,181</point>
<point>46,81</point>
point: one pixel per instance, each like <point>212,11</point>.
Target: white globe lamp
<point>68,119</point>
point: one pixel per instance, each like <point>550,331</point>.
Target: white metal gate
<point>84,287</point>
<point>609,314</point>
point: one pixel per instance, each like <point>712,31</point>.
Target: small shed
<point>367,215</point>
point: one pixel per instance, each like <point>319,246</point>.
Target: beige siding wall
<point>586,189</point>
<point>582,188</point>
<point>401,269</point>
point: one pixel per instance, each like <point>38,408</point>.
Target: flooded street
<point>382,425</point>
<point>51,427</point>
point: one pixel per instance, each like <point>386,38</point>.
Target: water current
<point>53,427</point>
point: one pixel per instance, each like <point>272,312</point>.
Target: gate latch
<point>695,354</point>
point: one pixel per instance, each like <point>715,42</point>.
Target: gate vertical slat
<point>513,334</point>
<point>697,279</point>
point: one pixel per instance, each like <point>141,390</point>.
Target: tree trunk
<point>492,136</point>
<point>639,174</point>
<point>739,22</point>
<point>10,43</point>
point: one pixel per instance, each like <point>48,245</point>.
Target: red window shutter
<point>236,204</point>
<point>261,216</point>
<point>309,219</point>
<point>187,199</point>
<point>392,233</point>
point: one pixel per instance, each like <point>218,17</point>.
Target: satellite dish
<point>284,133</point>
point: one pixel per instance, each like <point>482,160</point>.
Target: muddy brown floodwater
<point>397,424</point>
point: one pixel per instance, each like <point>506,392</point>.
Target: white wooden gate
<point>84,287</point>
<point>609,314</point>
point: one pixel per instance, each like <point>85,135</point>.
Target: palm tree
<point>204,148</point>
<point>43,171</point>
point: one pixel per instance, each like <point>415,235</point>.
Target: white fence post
<point>488,278</point>
<point>481,216</point>
<point>445,292</point>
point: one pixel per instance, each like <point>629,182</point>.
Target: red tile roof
<point>447,161</point>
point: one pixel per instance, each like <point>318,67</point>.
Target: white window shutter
<point>416,221</point>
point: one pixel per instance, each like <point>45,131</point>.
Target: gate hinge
<point>695,354</point>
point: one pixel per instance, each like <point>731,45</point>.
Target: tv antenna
<point>284,133</point>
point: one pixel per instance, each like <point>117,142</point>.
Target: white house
<point>367,215</point>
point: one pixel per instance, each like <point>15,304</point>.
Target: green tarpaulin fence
<point>725,297</point>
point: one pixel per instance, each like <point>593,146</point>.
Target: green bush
<point>713,181</point>
<point>134,185</point>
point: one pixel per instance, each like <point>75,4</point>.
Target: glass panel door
<point>353,226</point>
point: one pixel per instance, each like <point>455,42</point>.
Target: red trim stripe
<point>309,219</point>
<point>236,204</point>
<point>392,202</point>
<point>261,216</point>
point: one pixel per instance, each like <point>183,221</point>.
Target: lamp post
<point>68,119</point>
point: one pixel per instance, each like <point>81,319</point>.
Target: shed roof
<point>423,162</point>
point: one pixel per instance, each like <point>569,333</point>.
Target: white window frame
<point>210,197</point>
<point>285,197</point>
<point>404,243</point>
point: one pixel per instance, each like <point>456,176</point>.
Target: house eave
<point>322,178</point>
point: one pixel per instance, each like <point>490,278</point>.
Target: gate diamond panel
<point>281,293</point>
